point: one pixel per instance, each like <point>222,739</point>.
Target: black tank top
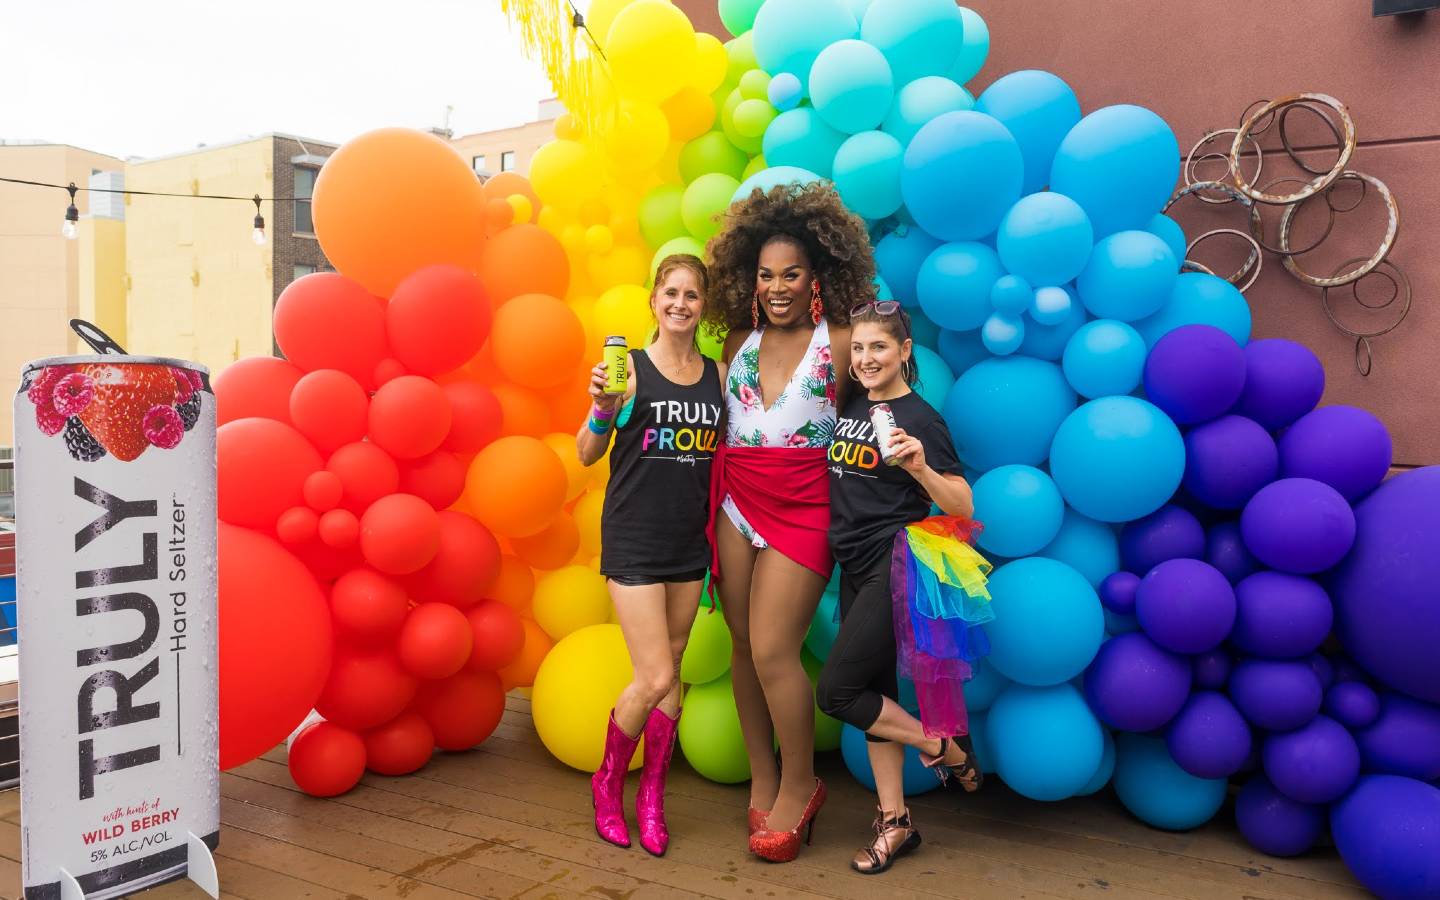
<point>657,502</point>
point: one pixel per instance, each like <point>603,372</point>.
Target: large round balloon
<point>1039,109</point>
<point>1185,606</point>
<point>538,341</point>
<point>1048,622</point>
<point>1021,509</point>
<point>918,37</point>
<point>1119,163</point>
<point>395,200</point>
<point>1194,373</point>
<point>1104,357</point>
<point>409,417</point>
<point>515,486</point>
<point>851,86</point>
<point>1046,743</point>
<point>1385,831</point>
<point>1135,685</point>
<point>650,49</point>
<point>462,710</point>
<point>1283,381</point>
<point>710,734</point>
<point>261,470</point>
<point>1209,738</point>
<point>867,173</point>
<point>257,386</point>
<point>1345,447</point>
<point>1117,458</point>
<point>1275,824</point>
<point>437,319</point>
<point>899,256</point>
<point>326,760</point>
<point>1314,764</point>
<point>954,283</point>
<point>365,688</point>
<point>922,100</point>
<point>1007,411</point>
<point>1045,238</point>
<point>306,326</point>
<point>801,139</point>
<point>1200,299</point>
<point>1160,793</point>
<point>574,692</point>
<point>1227,460</point>
<point>1171,532</point>
<point>1280,616</point>
<point>789,34</point>
<point>1298,525</point>
<point>330,408</point>
<point>1404,739</point>
<point>1129,276</point>
<point>1276,695</point>
<point>918,779</point>
<point>963,171</point>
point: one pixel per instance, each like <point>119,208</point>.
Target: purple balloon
<point>1404,740</point>
<point>1225,550</point>
<point>1298,525</point>
<point>1323,669</point>
<point>1211,669</point>
<point>1275,824</point>
<point>1117,592</point>
<point>1209,738</point>
<point>1185,606</point>
<point>1346,670</point>
<point>1386,612</point>
<point>1344,446</point>
<point>1276,695</point>
<point>1168,533</point>
<point>1314,764</point>
<point>1385,831</point>
<point>1228,460</point>
<point>1280,616</point>
<point>1134,685</point>
<point>1283,381</point>
<point>1195,373</point>
<point>1353,705</point>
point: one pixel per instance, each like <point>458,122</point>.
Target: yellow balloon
<point>565,174</point>
<point>690,112</point>
<point>522,206</point>
<point>587,513</point>
<point>567,128</point>
<point>584,308</point>
<point>636,140</point>
<point>600,476</point>
<point>625,309</point>
<point>651,48</point>
<point>574,691</point>
<point>577,477</point>
<point>624,264</point>
<point>711,63</point>
<point>551,219</point>
<point>599,239</point>
<point>569,599</point>
<point>601,15</point>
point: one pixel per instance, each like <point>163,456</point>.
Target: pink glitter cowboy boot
<point>650,799</point>
<point>607,786</point>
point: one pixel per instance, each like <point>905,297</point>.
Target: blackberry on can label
<point>80,442</point>
<point>189,411</point>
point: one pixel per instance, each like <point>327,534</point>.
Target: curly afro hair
<point>813,216</point>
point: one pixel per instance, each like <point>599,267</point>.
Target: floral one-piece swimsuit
<point>802,416</point>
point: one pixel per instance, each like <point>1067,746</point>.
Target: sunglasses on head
<point>882,308</point>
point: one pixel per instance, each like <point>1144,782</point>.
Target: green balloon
<point>752,117</point>
<point>750,144</point>
<point>738,16</point>
<point>710,734</point>
<point>683,244</point>
<point>757,164</point>
<point>711,152</point>
<point>660,218</point>
<point>711,344</point>
<point>741,53</point>
<point>707,656</point>
<point>705,200</point>
<point>755,85</point>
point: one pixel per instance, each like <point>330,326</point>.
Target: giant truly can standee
<point>117,582</point>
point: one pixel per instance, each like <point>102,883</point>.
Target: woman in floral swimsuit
<point>787,268</point>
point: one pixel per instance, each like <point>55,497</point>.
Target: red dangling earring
<point>755,310</point>
<point>817,306</point>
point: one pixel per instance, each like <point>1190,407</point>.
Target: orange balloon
<point>395,200</point>
<point>326,321</point>
<point>522,411</point>
<point>261,469</point>
<point>368,608</point>
<point>438,479</point>
<point>366,474</point>
<point>437,319</point>
<point>569,406</point>
<point>326,760</point>
<point>257,386</point>
<point>577,477</point>
<point>399,534</point>
<point>330,408</point>
<point>409,417</point>
<point>551,548</point>
<point>365,688</point>
<point>537,341</point>
<point>400,746</point>
<point>515,486</point>
<point>501,186</point>
<point>499,214</point>
<point>323,490</point>
<point>464,567</point>
<point>524,259</point>
<point>435,641</point>
<point>521,672</point>
<point>498,636</point>
<point>463,709</point>
<point>475,416</point>
<point>296,525</point>
<point>514,583</point>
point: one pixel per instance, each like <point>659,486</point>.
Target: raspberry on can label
<point>163,427</point>
<point>73,393</point>
<point>50,421</point>
<point>184,387</point>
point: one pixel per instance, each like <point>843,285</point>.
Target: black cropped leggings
<point>860,671</point>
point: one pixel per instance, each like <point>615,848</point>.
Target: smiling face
<point>876,355</point>
<point>783,282</point>
<point>678,302</point>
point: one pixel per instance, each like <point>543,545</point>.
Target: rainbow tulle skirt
<point>937,585</point>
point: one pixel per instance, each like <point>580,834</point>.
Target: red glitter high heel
<point>757,818</point>
<point>784,846</point>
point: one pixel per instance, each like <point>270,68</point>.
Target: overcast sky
<point>154,77</point>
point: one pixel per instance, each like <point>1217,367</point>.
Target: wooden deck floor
<point>507,820</point>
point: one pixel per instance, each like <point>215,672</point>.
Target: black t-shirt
<point>870,501</point>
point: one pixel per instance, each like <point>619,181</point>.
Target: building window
<point>507,160</point>
<point>302,269</point>
<point>304,186</point>
<point>477,164</point>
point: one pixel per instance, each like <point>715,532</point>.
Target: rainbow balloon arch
<point>1200,575</point>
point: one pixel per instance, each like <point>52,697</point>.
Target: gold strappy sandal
<point>894,837</point>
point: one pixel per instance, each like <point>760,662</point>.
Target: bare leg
<point>783,597</point>
<point>642,614</point>
<point>895,724</point>
<point>737,562</point>
<point>887,761</point>
<point>682,598</point>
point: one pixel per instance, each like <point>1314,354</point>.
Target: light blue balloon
<point>1129,276</point>
<point>1169,231</point>
<point>935,380</point>
<point>1021,509</point>
<point>963,171</point>
<point>858,8</point>
<point>1117,458</point>
<point>800,138</point>
<point>1002,334</point>
<point>1045,238</point>
<point>926,334</point>
<point>922,100</point>
<point>983,687</point>
<point>1048,341</point>
<point>1160,793</point>
<point>1103,358</point>
<point>785,91</point>
<point>882,289</point>
<point>823,625</point>
<point>1046,743</point>
<point>1011,295</point>
<point>867,173</point>
<point>765,179</point>
<point>851,86</point>
<point>1200,299</point>
<point>973,49</point>
<point>789,34</point>
<point>1085,545</point>
<point>954,283</point>
<point>1007,411</point>
<point>899,256</point>
<point>916,778</point>
<point>918,37</point>
<point>961,350</point>
<point>1050,305</point>
<point>980,741</point>
<point>1048,622</point>
<point>1107,767</point>
<point>1039,109</point>
<point>1120,163</point>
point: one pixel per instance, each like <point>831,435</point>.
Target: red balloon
<point>498,636</point>
<point>296,525</point>
<point>339,529</point>
<point>464,567</point>
<point>475,416</point>
<point>368,608</point>
<point>366,472</point>
<point>399,534</point>
<point>438,479</point>
<point>261,470</point>
<point>330,408</point>
<point>388,370</point>
<point>323,490</point>
<point>409,417</point>
<point>437,319</point>
<point>275,644</point>
<point>326,760</point>
<point>524,259</point>
<point>365,688</point>
<point>400,746</point>
<point>328,563</point>
<point>326,321</point>
<point>435,641</point>
<point>463,709</point>
<point>257,386</point>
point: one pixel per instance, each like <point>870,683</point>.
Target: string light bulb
<point>257,234</point>
<point>71,226</point>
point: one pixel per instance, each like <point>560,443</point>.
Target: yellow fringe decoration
<point>549,35</point>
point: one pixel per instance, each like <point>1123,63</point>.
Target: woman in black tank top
<point>653,549</point>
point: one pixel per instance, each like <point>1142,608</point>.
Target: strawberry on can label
<point>117,583</point>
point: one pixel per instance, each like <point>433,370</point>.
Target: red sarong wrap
<point>784,493</point>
